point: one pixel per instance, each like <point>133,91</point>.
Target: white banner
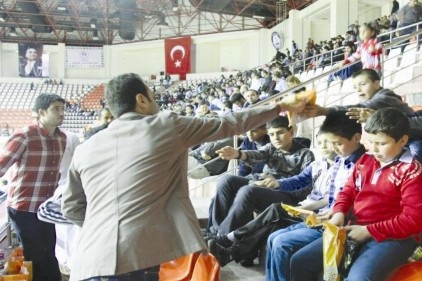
<point>84,57</point>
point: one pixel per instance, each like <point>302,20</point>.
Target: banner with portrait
<point>32,60</point>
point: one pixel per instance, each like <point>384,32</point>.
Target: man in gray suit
<point>127,185</point>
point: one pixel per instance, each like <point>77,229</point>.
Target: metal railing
<point>398,42</point>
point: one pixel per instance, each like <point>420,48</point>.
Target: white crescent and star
<point>176,48</point>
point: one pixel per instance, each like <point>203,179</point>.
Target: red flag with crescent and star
<point>177,53</point>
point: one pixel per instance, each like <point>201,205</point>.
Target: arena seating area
<point>16,100</point>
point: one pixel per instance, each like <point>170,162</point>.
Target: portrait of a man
<point>30,60</point>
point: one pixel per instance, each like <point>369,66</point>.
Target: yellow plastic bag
<point>333,240</point>
<point>309,217</point>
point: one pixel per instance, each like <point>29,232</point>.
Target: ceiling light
<point>2,17</point>
<point>93,23</point>
<point>61,8</point>
<point>258,17</point>
<point>95,35</point>
<point>175,9</point>
<point>12,32</point>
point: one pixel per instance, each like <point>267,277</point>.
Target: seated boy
<point>384,193</point>
<point>346,143</point>
<point>324,176</point>
<point>237,198</point>
<point>204,161</point>
<point>371,95</point>
<point>256,138</point>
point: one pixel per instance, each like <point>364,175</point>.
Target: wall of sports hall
<point>211,53</point>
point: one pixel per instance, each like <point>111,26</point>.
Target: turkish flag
<point>177,53</point>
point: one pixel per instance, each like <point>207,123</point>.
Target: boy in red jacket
<point>385,195</point>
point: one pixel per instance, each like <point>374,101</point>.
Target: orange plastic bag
<point>207,268</point>
<point>408,272</point>
<point>193,267</point>
<point>308,96</point>
<point>333,241</point>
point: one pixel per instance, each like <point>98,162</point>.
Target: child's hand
<point>228,153</point>
<point>337,219</point>
<point>358,233</point>
<point>205,156</point>
<point>326,215</point>
<point>361,115</point>
<point>269,182</point>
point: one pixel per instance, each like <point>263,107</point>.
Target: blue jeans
<point>282,244</point>
<point>146,274</point>
<point>375,261</point>
<point>38,240</point>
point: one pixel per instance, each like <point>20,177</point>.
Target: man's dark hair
<point>339,124</point>
<point>390,121</point>
<point>370,73</point>
<point>43,101</point>
<point>121,93</point>
<point>279,122</point>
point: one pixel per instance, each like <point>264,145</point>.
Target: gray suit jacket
<point>128,189</point>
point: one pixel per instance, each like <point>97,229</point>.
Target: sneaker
<point>247,263</point>
<point>223,241</point>
<point>221,254</point>
<point>209,237</point>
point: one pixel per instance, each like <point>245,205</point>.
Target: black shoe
<point>207,234</point>
<point>247,263</point>
<point>221,254</point>
<point>223,240</point>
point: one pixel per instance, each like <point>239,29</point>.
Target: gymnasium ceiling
<point>107,22</point>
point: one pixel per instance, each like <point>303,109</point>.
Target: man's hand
<point>358,233</point>
<point>292,104</point>
<point>228,153</point>
<point>360,114</point>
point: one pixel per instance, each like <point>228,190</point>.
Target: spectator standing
<point>396,7</point>
<point>409,14</point>
<point>370,50</point>
<point>35,153</point>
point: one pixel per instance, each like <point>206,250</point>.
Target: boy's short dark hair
<point>43,101</point>
<point>390,121</point>
<point>370,73</point>
<point>279,122</point>
<point>338,123</point>
<point>236,97</point>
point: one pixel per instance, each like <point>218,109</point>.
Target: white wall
<point>210,53</point>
